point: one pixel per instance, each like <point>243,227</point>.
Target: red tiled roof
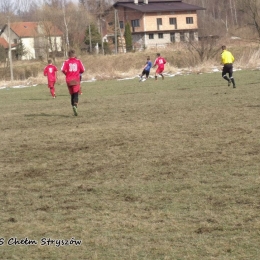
<point>30,29</point>
<point>24,29</point>
<point>4,43</point>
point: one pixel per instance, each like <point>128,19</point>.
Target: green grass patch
<point>165,169</point>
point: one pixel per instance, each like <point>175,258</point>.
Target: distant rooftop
<point>158,6</point>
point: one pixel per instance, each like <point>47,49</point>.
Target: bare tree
<point>65,20</point>
<point>23,6</point>
<point>6,6</point>
<point>83,3</point>
<point>50,18</point>
<point>251,17</point>
<point>206,48</point>
<point>70,18</point>
<point>220,13</point>
<point>27,10</point>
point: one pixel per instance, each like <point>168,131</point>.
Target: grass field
<point>153,170</point>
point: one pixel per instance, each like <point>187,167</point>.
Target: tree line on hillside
<point>81,21</point>
<point>238,18</point>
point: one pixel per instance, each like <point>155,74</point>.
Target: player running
<point>72,68</point>
<point>159,62</point>
<point>50,71</point>
<point>146,69</point>
<point>227,60</point>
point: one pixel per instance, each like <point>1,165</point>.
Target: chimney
<point>146,2</point>
<point>136,2</point>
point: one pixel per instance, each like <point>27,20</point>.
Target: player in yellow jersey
<point>227,60</point>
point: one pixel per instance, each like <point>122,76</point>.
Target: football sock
<point>233,81</point>
<point>226,78</point>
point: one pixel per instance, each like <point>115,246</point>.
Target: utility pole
<point>121,37</point>
<point>101,12</point>
<point>10,51</point>
<point>101,33</point>
<point>66,28</point>
<point>90,40</point>
<point>115,32</point>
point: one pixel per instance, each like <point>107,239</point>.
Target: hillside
<point>99,67</point>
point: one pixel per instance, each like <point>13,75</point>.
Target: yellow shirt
<point>227,57</point>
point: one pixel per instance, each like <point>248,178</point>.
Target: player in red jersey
<point>72,68</point>
<point>50,71</point>
<point>160,61</point>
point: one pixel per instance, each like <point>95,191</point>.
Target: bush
<point>107,49</point>
<point>3,54</point>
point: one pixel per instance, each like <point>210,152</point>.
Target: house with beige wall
<point>157,23</point>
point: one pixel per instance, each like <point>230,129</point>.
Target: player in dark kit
<point>146,69</point>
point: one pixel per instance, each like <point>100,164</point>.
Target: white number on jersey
<point>160,61</point>
<point>73,67</point>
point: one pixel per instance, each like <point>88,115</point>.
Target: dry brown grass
<point>130,64</point>
<point>154,170</point>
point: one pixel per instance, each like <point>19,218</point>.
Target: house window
<point>151,36</point>
<point>15,41</point>
<point>173,21</point>
<point>159,22</point>
<point>121,24</point>
<point>172,37</point>
<point>189,20</point>
<point>135,23</point>
<point>160,35</point>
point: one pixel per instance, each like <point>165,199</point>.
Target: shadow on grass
<point>47,115</point>
<point>253,106</point>
<point>45,98</point>
<point>182,88</point>
<point>36,99</point>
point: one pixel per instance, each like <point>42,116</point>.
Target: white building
<point>38,38</point>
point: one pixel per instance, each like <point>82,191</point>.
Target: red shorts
<point>159,70</point>
<point>74,89</point>
<point>51,84</point>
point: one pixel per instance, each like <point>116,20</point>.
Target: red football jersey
<point>72,68</point>
<point>160,61</point>
<point>50,71</point>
